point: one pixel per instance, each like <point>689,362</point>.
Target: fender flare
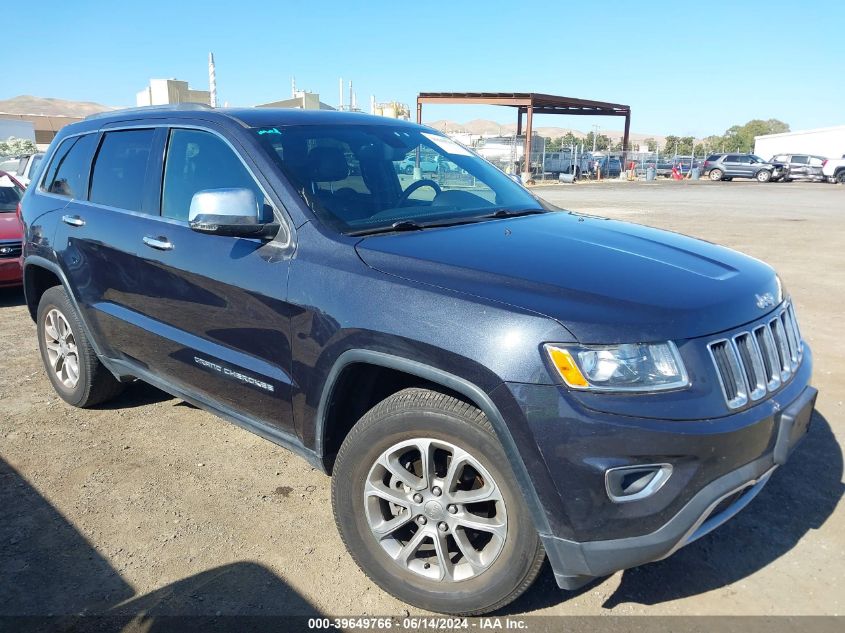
<point>455,383</point>
<point>53,267</point>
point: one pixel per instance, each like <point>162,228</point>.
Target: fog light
<point>632,483</point>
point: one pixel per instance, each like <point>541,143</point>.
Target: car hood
<point>605,281</point>
<point>10,226</point>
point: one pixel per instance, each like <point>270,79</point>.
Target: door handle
<point>160,243</point>
<point>73,220</point>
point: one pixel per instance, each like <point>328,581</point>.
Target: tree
<point>17,147</point>
<point>651,144</point>
<point>670,146</point>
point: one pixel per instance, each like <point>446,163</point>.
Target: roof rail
<point>150,108</point>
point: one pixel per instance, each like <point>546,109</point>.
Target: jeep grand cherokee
<point>489,381</point>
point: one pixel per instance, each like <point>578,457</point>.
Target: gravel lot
<point>151,505</point>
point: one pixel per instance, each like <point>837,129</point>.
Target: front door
<point>213,312</point>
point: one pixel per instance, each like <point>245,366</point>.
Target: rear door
<point>798,166</point>
<point>207,313</point>
<point>814,167</point>
<point>732,166</point>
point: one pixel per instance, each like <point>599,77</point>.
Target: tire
<point>764,175</point>
<point>71,364</point>
<point>840,178</point>
<point>400,428</point>
<point>716,174</point>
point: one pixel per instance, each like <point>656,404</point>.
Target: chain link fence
<point>550,161</point>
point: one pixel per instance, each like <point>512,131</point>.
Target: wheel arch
<point>39,275</point>
<point>437,379</point>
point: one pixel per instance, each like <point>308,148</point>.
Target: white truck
<point>833,170</point>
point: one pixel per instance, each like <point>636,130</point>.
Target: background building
<point>825,141</point>
<point>300,100</point>
<point>170,91</point>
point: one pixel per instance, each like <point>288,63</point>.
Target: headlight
<point>629,367</point>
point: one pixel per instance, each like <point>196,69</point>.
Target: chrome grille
<point>756,362</point>
<point>10,249</point>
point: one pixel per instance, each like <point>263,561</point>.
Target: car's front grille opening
<point>10,250</point>
<point>758,361</point>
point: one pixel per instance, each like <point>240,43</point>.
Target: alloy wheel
<point>61,348</point>
<point>435,510</point>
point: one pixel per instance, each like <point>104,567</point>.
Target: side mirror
<point>231,212</point>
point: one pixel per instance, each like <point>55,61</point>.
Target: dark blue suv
<point>490,381</point>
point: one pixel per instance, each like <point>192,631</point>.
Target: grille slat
<point>755,362</point>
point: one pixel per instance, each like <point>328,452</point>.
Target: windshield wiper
<point>513,213</point>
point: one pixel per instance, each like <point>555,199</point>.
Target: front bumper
<point>577,563</point>
<point>720,465</point>
<point>11,273</point>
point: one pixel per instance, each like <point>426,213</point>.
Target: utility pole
<point>595,134</point>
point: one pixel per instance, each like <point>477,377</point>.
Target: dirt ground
<point>150,504</point>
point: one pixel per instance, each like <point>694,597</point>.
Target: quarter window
<point>197,161</point>
<point>120,169</point>
<point>68,170</point>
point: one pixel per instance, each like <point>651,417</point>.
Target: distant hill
<point>27,104</point>
<point>484,126</point>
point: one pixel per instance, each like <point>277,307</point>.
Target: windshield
<point>366,178</point>
<point>10,194</point>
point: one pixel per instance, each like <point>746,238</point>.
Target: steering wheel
<point>425,182</point>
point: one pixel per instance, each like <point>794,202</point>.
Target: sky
<point>684,68</point>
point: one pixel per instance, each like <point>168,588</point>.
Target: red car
<point>11,231</point>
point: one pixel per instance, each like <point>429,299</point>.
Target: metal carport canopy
<point>532,103</point>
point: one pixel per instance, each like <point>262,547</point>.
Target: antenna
<point>212,82</point>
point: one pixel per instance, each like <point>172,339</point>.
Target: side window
<point>713,158</point>
<point>198,160</point>
<point>120,169</point>
<point>68,171</point>
<point>781,158</point>
<point>815,161</point>
<point>733,158</point>
<point>802,160</point>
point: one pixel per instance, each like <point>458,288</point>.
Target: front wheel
<point>716,174</point>
<point>427,506</point>
<point>840,178</point>
<point>764,175</point>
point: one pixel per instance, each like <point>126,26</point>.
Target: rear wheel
<point>840,177</point>
<point>426,504</point>
<point>764,175</point>
<point>69,359</point>
<point>716,174</point>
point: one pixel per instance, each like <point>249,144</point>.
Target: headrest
<point>327,164</point>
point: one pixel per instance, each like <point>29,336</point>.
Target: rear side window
<point>732,159</point>
<point>196,161</point>
<point>120,169</point>
<point>68,171</point>
<point>802,160</point>
<point>815,161</point>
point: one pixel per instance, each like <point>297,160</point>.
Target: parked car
<point>608,166</point>
<point>801,166</point>
<point>11,231</point>
<point>428,164</point>
<point>730,166</point>
<point>9,165</point>
<point>489,380</point>
<point>833,170</point>
<point>27,166</point>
